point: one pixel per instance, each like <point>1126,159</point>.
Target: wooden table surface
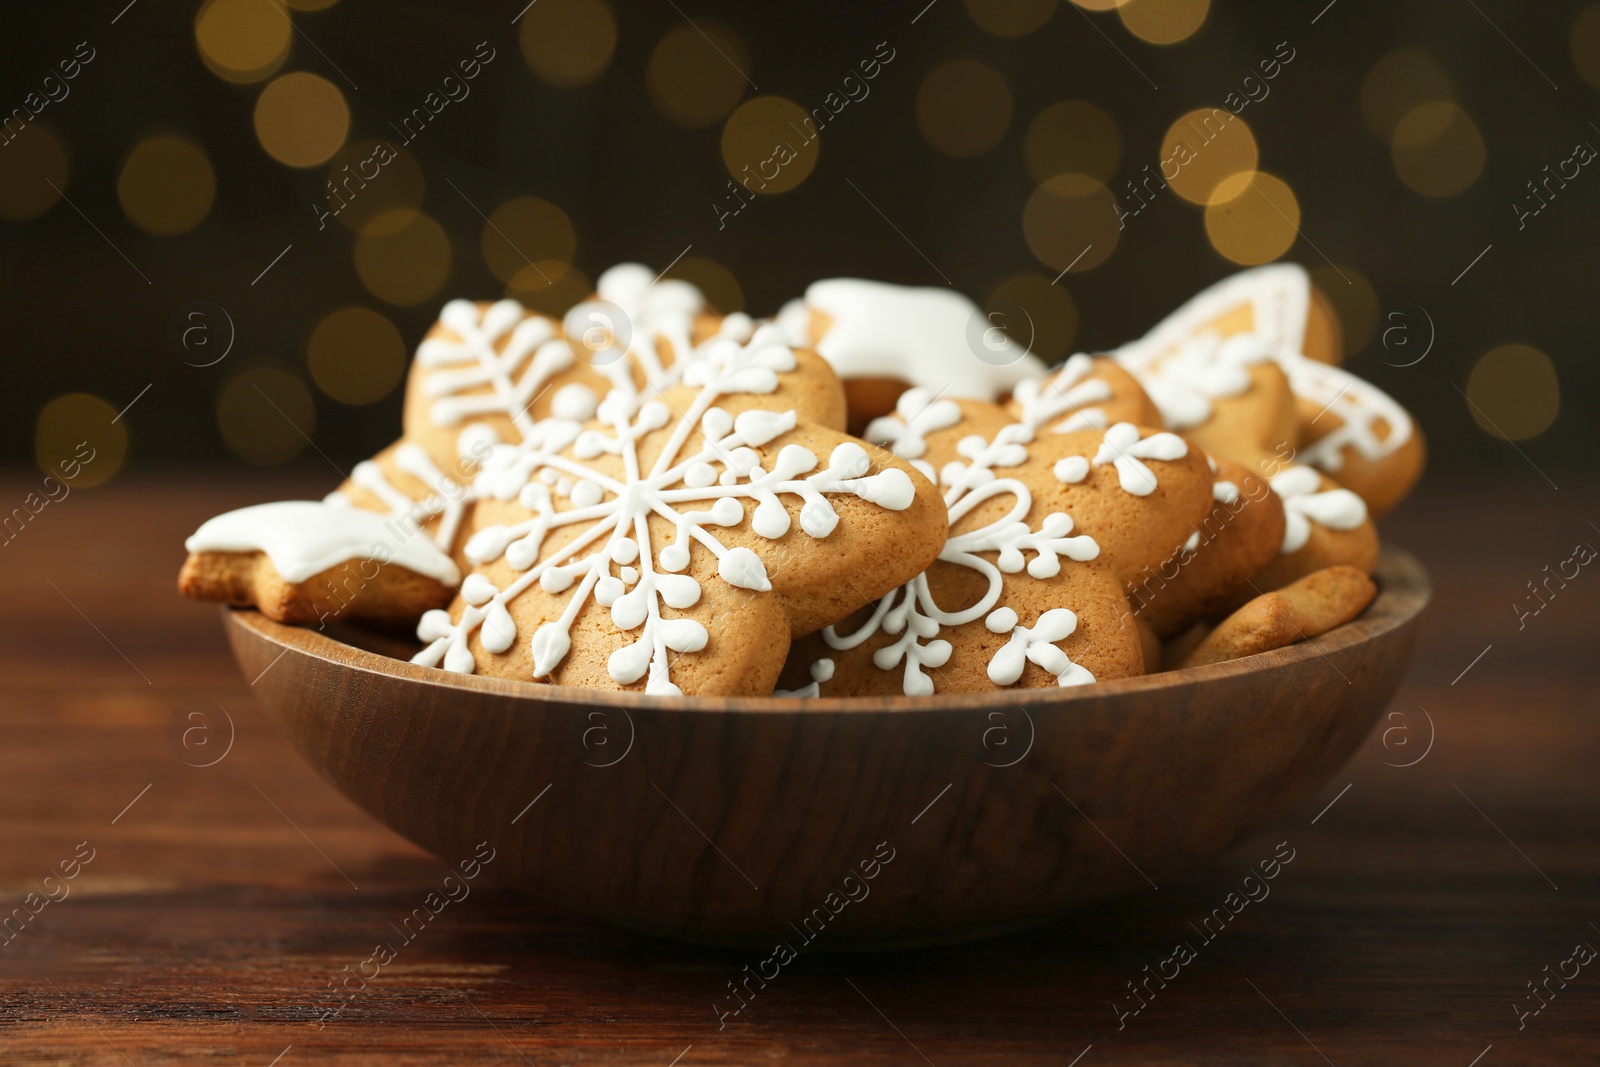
<point>220,900</point>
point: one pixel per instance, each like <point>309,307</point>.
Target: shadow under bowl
<point>848,824</point>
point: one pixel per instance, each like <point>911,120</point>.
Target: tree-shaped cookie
<point>675,543</point>
<point>1045,531</point>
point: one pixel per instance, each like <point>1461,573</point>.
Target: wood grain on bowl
<point>747,822</point>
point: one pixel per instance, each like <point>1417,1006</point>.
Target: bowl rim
<point>1403,592</point>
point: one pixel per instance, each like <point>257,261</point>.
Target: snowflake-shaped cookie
<point>675,543</point>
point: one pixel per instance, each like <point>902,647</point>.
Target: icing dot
<point>625,550</point>
<point>586,494</point>
<point>478,590</point>
<point>629,575</point>
<point>1001,620</point>
<point>574,401</point>
<point>699,475</point>
<point>1073,469</point>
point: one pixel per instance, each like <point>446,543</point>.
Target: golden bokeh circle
<point>1202,149</point>
<point>371,177</point>
<point>1397,83</point>
<point>1585,45</point>
<point>1514,391</point>
<point>1011,18</point>
<point>301,119</point>
<point>266,415</point>
<point>1163,21</point>
<point>1253,218</point>
<point>243,40</point>
<point>1072,136</point>
<point>1036,314</point>
<point>568,43</point>
<point>403,257</point>
<point>767,145</point>
<point>1355,302</point>
<point>33,161</point>
<point>526,230</point>
<point>963,108</point>
<point>1437,149</point>
<point>717,282</point>
<point>1071,221</point>
<point>166,186</point>
<point>693,75</point>
<point>356,356</point>
<point>549,287</point>
<point>79,441</point>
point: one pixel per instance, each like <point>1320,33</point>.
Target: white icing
<point>917,335</point>
<point>684,489</point>
<point>1123,448</point>
<point>919,414</point>
<point>1182,381</point>
<point>1306,502</point>
<point>1037,643</point>
<point>1070,389</point>
<point>821,672</point>
<point>306,537</point>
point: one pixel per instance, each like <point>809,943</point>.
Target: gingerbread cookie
<point>1242,534</point>
<point>1302,610</point>
<point>1325,526</point>
<point>675,544</point>
<point>308,561</point>
<point>881,339</point>
<point>1090,507</point>
<point>1357,433</point>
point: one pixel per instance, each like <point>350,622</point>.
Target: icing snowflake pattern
<point>1306,502</point>
<point>1070,389</point>
<point>915,615</point>
<point>697,493</point>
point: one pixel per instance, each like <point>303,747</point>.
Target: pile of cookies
<point>871,493</point>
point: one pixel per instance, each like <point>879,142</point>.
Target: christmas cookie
<point>1357,433</point>
<point>1325,526</point>
<point>675,544</point>
<point>882,338</point>
<point>1045,531</point>
<point>1299,611</point>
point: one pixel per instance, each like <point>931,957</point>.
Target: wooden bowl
<point>847,824</point>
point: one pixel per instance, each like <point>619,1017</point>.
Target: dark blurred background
<point>168,241</point>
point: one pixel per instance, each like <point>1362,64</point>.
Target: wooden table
<point>220,900</point>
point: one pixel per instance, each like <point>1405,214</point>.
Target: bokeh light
<point>550,287</point>
<point>568,43</point>
<point>266,415</point>
<point>301,119</point>
<point>1071,221</point>
<point>1437,149</point>
<point>1397,83</point>
<point>722,289</point>
<point>369,178</point>
<point>1514,392</point>
<point>694,74</point>
<point>356,356</point>
<point>963,108</point>
<point>1035,314</point>
<point>1011,18</point>
<point>527,230</point>
<point>1203,148</point>
<point>765,144</point>
<point>1585,44</point>
<point>1072,136</point>
<point>77,442</point>
<point>243,40</point>
<point>33,161</point>
<point>1163,21</point>
<point>403,257</point>
<point>1353,299</point>
<point>166,186</point>
<point>1253,218</point>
